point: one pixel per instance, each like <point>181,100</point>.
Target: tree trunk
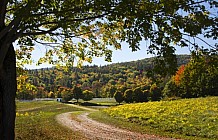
<point>8,87</point>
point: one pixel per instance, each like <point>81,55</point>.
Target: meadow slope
<point>188,118</point>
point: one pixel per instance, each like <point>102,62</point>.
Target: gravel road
<point>94,130</point>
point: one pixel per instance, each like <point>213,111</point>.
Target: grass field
<point>36,121</point>
<point>187,118</point>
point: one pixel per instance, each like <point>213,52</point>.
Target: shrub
<point>118,97</point>
<point>51,94</point>
<point>155,93</point>
<point>138,95</point>
<point>24,96</point>
<point>128,96</point>
<point>87,95</point>
<point>145,97</point>
<point>171,89</point>
<point>67,95</point>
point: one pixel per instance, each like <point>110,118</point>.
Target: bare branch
<point>201,40</point>
<point>47,43</point>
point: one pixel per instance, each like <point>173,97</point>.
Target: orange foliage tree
<point>179,74</point>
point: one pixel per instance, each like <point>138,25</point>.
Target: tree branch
<point>3,6</point>
<point>68,20</point>
<point>201,40</point>
<point>11,25</point>
<point>41,32</point>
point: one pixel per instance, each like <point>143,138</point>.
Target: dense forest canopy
<point>99,79</point>
<point>136,81</point>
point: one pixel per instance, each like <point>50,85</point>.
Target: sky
<point>123,55</point>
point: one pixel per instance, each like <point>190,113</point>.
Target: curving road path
<point>94,130</point>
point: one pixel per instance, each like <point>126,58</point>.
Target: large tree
<point>87,28</point>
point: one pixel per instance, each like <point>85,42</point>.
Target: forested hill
<point>96,78</point>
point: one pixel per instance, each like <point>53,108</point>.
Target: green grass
<point>99,101</point>
<point>36,121</point>
<point>186,118</point>
<point>104,101</point>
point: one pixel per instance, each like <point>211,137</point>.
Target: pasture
<point>185,118</point>
<point>36,121</point>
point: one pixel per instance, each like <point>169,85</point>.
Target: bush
<point>24,96</point>
<point>87,95</point>
<point>145,97</point>
<point>155,93</point>
<point>51,94</point>
<point>67,95</point>
<point>138,95</point>
<point>128,96</point>
<point>171,89</point>
<point>118,97</point>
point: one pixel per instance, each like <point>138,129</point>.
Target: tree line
<point>103,81</point>
<point>197,76</point>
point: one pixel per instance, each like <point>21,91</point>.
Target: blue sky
<point>123,55</point>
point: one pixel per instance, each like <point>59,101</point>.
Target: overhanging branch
<point>3,6</point>
<point>40,32</point>
<point>201,40</point>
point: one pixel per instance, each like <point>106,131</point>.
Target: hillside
<point>102,80</point>
<point>186,118</point>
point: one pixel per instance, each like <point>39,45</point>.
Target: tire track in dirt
<point>94,130</point>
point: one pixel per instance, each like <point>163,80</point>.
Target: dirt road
<point>94,130</point>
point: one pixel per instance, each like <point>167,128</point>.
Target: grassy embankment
<point>185,118</point>
<point>36,121</point>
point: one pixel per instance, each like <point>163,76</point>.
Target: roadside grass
<point>185,118</point>
<point>104,101</point>
<point>97,102</point>
<point>36,121</point>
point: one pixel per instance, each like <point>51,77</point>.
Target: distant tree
<point>96,85</point>
<point>77,93</point>
<point>51,94</point>
<point>86,86</point>
<point>87,95</point>
<point>122,88</point>
<point>118,97</point>
<point>138,95</point>
<point>145,97</point>
<point>155,93</point>
<point>67,95</point>
<point>25,90</point>
<point>171,89</point>
<point>128,96</point>
<point>40,92</point>
<point>200,77</point>
<point>112,91</point>
<point>179,74</point>
<point>112,82</point>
